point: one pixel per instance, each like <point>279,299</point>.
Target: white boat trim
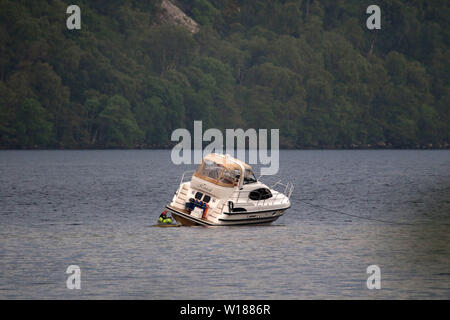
<point>232,222</point>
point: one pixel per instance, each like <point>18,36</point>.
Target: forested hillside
<point>131,76</point>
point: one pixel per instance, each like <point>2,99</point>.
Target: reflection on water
<point>96,209</point>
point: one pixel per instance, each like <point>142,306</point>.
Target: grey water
<point>95,209</point>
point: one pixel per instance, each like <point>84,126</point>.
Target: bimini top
<point>222,170</point>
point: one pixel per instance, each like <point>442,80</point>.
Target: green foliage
<point>204,12</point>
<point>117,125</point>
<point>311,68</point>
<point>31,127</point>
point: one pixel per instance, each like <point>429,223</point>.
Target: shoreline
<point>356,147</point>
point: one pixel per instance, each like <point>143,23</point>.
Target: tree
<point>170,47</point>
<point>32,127</point>
<point>117,125</point>
<point>308,67</point>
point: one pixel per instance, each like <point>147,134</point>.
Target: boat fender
<point>230,206</point>
<point>205,211</point>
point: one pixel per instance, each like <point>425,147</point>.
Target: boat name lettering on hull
<point>204,187</point>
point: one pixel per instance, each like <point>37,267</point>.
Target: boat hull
<point>237,219</point>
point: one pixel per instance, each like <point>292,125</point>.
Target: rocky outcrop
<point>172,14</point>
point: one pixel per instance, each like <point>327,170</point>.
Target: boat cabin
<point>225,171</point>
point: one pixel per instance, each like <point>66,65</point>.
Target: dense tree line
<point>308,67</point>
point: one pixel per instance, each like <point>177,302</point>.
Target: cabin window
<point>260,194</point>
<point>198,195</point>
<point>206,198</point>
<point>211,169</point>
<point>227,177</point>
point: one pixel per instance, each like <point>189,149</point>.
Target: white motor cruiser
<point>225,192</point>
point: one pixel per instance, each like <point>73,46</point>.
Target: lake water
<point>95,209</point>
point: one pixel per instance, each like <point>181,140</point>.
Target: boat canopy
<point>222,170</point>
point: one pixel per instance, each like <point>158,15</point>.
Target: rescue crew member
<point>163,218</point>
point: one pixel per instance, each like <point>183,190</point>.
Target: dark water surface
<point>95,209</point>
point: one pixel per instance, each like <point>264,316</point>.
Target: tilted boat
<point>224,191</point>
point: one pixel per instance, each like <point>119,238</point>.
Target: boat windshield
<point>249,176</point>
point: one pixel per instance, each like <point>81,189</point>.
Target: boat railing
<point>288,187</point>
<point>282,192</point>
<point>186,175</point>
